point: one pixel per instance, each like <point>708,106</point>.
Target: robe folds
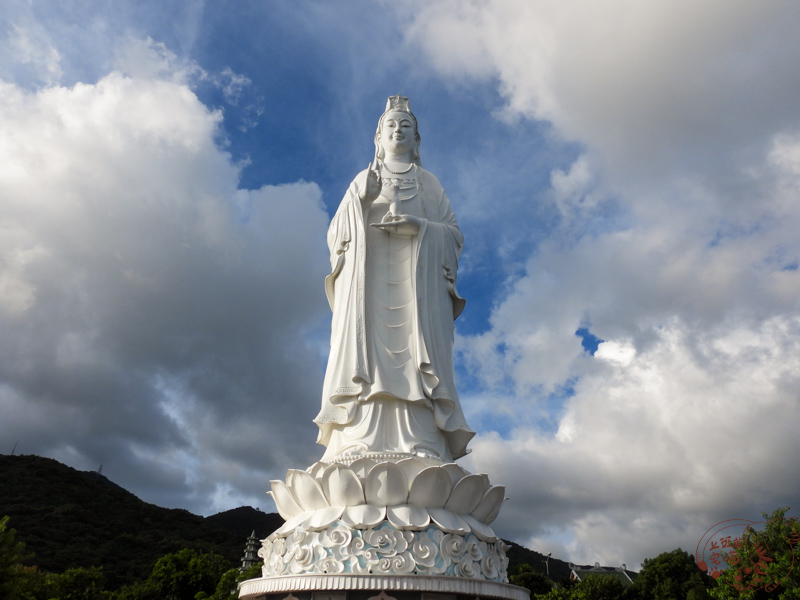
<point>396,407</point>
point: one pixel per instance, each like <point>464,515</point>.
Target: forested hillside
<point>70,518</point>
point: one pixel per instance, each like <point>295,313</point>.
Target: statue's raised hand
<point>373,187</point>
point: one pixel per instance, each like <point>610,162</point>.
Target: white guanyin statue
<point>394,243</point>
<point>386,507</point>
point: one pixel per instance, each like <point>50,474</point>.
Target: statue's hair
<point>379,153</point>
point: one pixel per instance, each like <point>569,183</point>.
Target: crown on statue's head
<point>398,103</point>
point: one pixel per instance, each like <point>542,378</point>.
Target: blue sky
<point>626,176</point>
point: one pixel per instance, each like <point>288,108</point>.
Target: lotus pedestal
<point>406,530</point>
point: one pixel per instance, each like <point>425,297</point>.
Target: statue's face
<point>397,133</point>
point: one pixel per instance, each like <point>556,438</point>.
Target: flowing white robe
<point>390,386</point>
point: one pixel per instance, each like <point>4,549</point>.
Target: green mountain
<point>71,518</point>
<point>518,555</point>
<point>245,520</point>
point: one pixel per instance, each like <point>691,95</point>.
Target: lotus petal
<point>306,490</point>
<point>466,495</point>
<point>386,485</point>
<point>489,506</point>
<point>322,519</point>
<point>449,522</point>
<point>364,516</point>
<point>316,469</point>
<point>287,505</point>
<point>362,467</point>
<point>484,532</point>
<point>408,517</point>
<point>342,486</point>
<point>290,474</point>
<point>412,466</point>
<point>456,472</point>
<point>291,524</point>
<point>291,477</point>
<point>431,488</point>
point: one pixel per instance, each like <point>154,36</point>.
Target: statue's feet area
<point>404,517</point>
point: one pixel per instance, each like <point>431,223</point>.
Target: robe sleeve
<point>339,238</point>
<point>438,304</point>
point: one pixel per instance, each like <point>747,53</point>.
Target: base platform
<point>376,587</point>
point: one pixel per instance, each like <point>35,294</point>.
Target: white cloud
<point>621,353</point>
<point>148,59</point>
<point>151,310</point>
<point>29,49</point>
<point>647,86</point>
<point>685,413</point>
<point>696,426</point>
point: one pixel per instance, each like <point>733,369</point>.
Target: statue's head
<point>398,109</point>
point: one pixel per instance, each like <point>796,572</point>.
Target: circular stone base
<point>376,587</point>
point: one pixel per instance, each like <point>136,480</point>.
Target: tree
<point>598,587</point>
<point>764,565</point>
<point>535,582</point>
<point>228,586</point>
<point>182,575</point>
<point>593,587</point>
<point>79,584</point>
<point>670,576</point>
<point>698,593</point>
<point>33,585</point>
<point>12,555</point>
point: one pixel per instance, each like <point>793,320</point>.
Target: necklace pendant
<point>398,172</point>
